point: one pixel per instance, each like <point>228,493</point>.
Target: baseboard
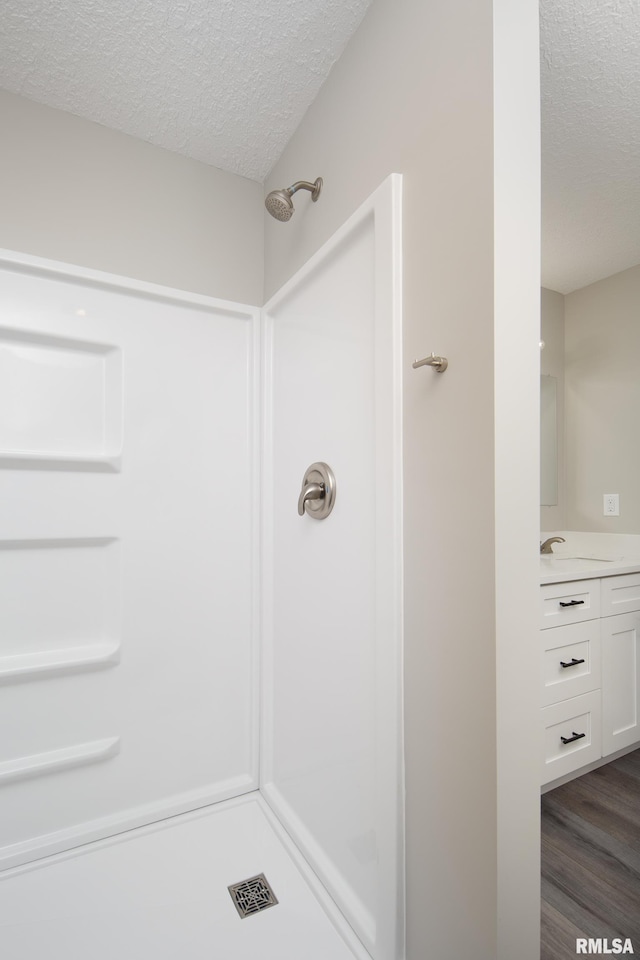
<point>580,772</point>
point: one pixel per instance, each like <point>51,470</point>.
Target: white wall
<point>516,189</point>
<point>413,93</point>
<point>74,191</point>
<point>602,400</point>
<point>552,364</point>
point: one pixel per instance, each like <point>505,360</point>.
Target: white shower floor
<point>160,893</point>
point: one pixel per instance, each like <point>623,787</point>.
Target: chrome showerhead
<point>279,202</point>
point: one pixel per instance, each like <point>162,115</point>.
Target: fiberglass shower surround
<point>175,620</point>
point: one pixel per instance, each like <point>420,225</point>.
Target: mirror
<point>591,261</point>
<point>548,442</point>
<point>597,398</point>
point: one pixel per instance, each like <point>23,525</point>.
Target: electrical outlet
<point>611,504</point>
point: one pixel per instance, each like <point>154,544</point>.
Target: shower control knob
<point>312,491</point>
<point>318,493</point>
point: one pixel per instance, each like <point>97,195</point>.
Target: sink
<point>578,563</point>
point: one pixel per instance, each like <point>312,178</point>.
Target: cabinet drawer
<point>579,721</point>
<point>569,602</point>
<point>620,594</point>
<point>571,661</point>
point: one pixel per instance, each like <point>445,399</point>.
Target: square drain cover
<point>252,895</point>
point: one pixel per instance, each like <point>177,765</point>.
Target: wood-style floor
<point>591,859</point>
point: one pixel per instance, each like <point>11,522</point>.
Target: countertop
<point>560,567</point>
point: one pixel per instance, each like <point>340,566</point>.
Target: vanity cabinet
<point>590,664</point>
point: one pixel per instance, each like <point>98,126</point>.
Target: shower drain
<point>252,895</point>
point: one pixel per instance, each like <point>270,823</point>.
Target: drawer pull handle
<point>576,736</point>
<point>572,663</point>
<point>571,603</point>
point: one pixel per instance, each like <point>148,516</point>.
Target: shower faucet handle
<point>312,491</point>
<point>318,492</point>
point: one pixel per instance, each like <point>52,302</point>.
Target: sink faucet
<point>546,546</point>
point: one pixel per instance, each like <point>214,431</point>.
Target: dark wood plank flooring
<point>591,859</point>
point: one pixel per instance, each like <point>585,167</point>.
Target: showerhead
<point>279,202</point>
<point>280,205</point>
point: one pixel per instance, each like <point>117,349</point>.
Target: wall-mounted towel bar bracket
<point>439,364</point>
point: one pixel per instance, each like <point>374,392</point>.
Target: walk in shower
<point>200,683</point>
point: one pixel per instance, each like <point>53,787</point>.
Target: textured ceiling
<point>590,140</point>
<point>223,81</point>
<point>228,81</point>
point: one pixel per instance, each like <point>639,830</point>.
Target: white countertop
<point>587,556</point>
<point>558,568</point>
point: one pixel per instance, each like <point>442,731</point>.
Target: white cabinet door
<point>620,681</point>
<point>127,523</point>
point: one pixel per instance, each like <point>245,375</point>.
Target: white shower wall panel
<point>331,765</point>
<point>128,499</point>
